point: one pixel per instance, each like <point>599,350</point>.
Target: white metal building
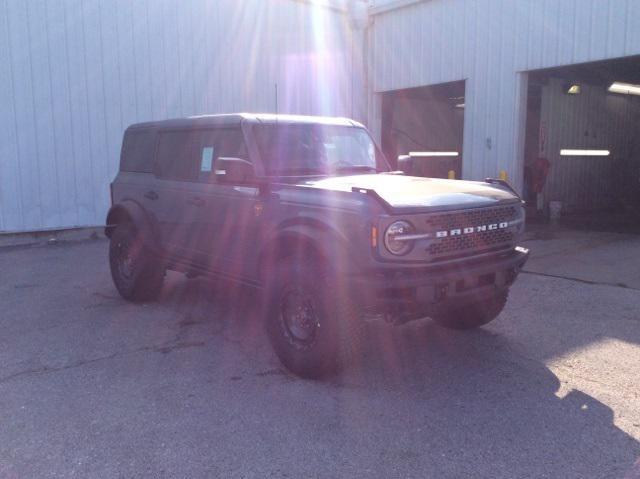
<point>494,46</point>
<point>75,73</point>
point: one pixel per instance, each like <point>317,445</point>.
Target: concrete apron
<point>588,256</point>
<point>51,236</point>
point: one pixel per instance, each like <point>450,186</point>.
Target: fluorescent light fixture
<point>624,88</point>
<point>574,89</point>
<point>585,152</point>
<point>460,105</point>
<point>433,153</point>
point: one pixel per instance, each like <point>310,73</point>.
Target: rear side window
<point>177,155</point>
<point>137,151</point>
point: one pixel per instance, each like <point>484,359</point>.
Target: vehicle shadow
<point>450,404</point>
<point>497,410</point>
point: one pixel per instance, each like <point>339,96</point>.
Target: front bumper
<point>464,280</point>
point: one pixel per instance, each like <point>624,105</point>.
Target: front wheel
<point>472,315</point>
<point>313,326</point>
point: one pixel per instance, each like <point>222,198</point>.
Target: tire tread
<point>149,279</point>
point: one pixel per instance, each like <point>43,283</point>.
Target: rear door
<point>176,169</point>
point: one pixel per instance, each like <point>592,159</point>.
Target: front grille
<point>472,243</point>
<point>476,241</point>
<point>475,217</point>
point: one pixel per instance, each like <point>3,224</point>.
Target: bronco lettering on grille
<point>472,229</point>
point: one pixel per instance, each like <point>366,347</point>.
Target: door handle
<point>196,201</point>
<point>152,195</point>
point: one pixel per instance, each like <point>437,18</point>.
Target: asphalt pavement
<point>187,387</point>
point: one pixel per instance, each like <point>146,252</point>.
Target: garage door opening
<point>424,128</point>
<point>582,144</point>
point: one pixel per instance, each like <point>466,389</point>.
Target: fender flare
<point>312,237</point>
<point>129,210</point>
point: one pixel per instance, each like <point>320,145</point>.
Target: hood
<point>410,192</point>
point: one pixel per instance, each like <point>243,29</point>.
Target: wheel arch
<point>130,211</point>
<point>117,214</point>
<point>302,237</point>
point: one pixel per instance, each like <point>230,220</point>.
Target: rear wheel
<point>472,315</point>
<point>137,272</point>
<point>314,327</point>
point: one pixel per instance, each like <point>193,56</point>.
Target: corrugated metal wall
<point>488,42</point>
<point>594,119</point>
<point>75,73</point>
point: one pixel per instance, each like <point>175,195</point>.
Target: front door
<point>227,216</point>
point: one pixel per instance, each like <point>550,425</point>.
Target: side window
<point>176,159</point>
<point>213,144</point>
<point>137,150</point>
<point>207,153</point>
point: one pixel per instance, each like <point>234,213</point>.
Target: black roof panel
<point>237,118</point>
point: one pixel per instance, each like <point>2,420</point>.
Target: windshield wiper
<point>356,168</point>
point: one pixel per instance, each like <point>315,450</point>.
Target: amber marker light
<point>374,236</point>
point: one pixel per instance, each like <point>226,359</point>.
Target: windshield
<point>291,150</point>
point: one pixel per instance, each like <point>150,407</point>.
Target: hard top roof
<point>237,118</point>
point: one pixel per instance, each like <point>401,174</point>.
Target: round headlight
<point>396,246</point>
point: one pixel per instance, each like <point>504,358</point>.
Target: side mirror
<point>234,170</point>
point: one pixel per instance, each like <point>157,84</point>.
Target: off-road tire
<point>142,277</point>
<point>339,328</point>
<point>472,315</point>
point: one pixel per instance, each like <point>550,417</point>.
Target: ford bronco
<point>308,210</point>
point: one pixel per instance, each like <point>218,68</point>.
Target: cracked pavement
<point>92,386</point>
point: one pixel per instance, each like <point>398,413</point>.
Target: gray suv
<point>308,210</point>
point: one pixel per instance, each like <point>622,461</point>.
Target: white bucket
<point>555,209</point>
